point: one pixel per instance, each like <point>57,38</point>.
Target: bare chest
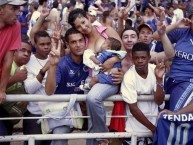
<point>95,43</point>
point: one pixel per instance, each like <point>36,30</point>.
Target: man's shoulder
<point>130,72</point>
<point>35,15</point>
<point>64,61</point>
<point>151,66</point>
<point>17,25</point>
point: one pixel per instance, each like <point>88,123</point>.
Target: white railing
<point>31,138</point>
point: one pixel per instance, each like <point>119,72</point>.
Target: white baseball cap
<point>93,13</point>
<point>13,2</point>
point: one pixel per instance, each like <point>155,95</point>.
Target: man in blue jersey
<point>177,122</point>
<point>179,84</point>
<point>174,129</point>
<point>177,127</point>
<point>66,75</point>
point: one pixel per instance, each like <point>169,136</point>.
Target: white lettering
<point>70,84</point>
<point>184,117</point>
<point>170,117</point>
<point>190,116</point>
<point>165,116</point>
<point>184,55</point>
<point>190,57</point>
<point>71,72</point>
<point>179,117</point>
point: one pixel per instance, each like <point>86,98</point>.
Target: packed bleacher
<point>98,48</point>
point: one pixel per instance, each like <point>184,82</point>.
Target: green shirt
<point>17,88</point>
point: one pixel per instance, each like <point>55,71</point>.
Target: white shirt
<point>132,86</point>
<point>79,5</point>
<point>32,21</point>
<point>32,85</point>
<point>178,15</point>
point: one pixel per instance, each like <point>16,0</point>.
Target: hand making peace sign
<point>56,45</point>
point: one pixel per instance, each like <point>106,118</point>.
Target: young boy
<point>111,47</point>
<point>142,78</point>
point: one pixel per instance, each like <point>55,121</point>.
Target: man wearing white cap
<point>178,13</point>
<point>10,35</point>
<point>92,14</point>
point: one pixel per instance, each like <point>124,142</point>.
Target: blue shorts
<point>105,79</point>
<point>180,93</point>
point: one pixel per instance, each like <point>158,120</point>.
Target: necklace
<point>39,62</point>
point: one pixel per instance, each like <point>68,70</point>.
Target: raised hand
<point>161,26</point>
<point>159,70</point>
<point>183,23</point>
<point>54,56</point>
<point>122,13</point>
<point>156,10</point>
<point>56,35</point>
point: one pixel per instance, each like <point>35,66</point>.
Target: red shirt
<point>10,39</point>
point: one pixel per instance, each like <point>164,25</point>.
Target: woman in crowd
<point>95,36</point>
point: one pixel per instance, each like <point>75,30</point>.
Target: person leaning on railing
<point>10,34</point>
<point>142,78</point>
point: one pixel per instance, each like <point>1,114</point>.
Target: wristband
<point>42,73</point>
<point>160,84</point>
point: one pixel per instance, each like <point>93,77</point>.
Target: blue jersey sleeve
<point>176,35</point>
<point>60,70</point>
<point>58,75</point>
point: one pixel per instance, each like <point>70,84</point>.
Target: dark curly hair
<point>129,28</point>
<point>70,32</point>
<point>115,43</point>
<point>141,46</point>
<point>75,14</point>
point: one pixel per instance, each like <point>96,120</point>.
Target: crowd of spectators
<point>101,48</point>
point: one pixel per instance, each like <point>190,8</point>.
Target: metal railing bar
<point>66,97</point>
<point>42,117</point>
<point>74,136</point>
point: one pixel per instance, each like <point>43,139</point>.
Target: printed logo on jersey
<point>85,68</point>
<point>179,117</point>
<point>70,84</point>
<point>184,55</point>
<point>71,73</point>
